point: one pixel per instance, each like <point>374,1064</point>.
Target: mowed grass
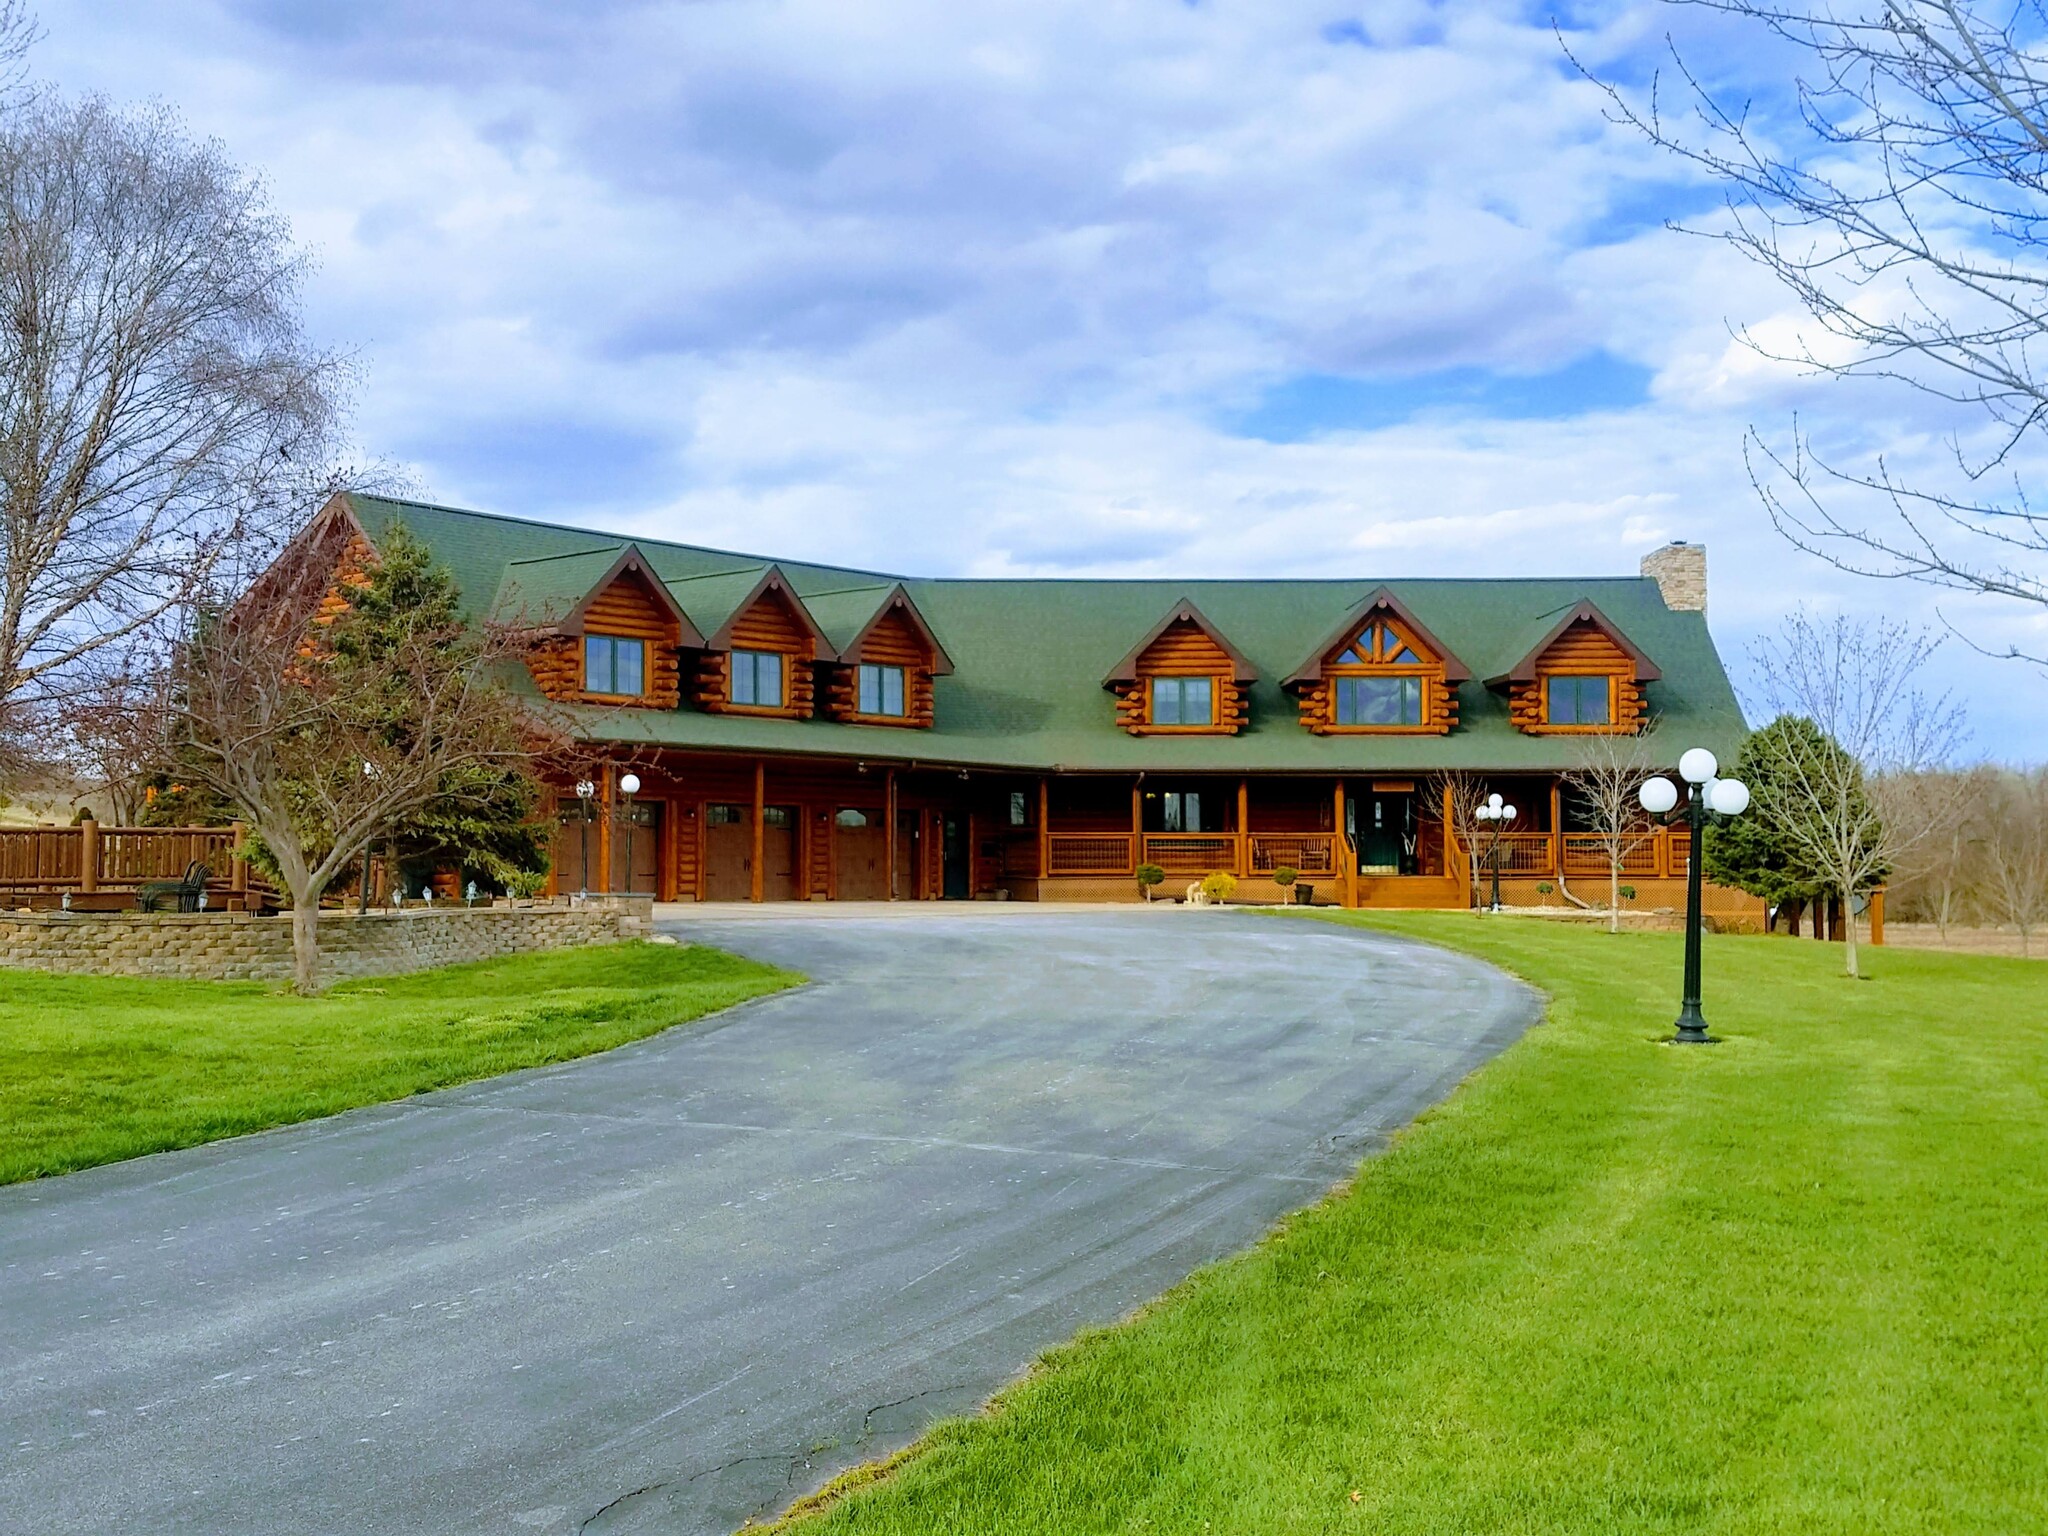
<point>97,1068</point>
<point>1791,1283</point>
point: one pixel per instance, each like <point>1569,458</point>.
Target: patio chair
<point>186,891</point>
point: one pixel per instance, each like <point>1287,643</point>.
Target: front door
<point>577,867</point>
<point>636,847</point>
<point>1382,829</point>
<point>778,853</point>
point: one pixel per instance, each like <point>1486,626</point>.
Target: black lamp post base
<point>1691,1029</point>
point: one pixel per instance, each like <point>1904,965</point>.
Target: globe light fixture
<point>630,784</point>
<point>1705,794</point>
<point>1497,814</point>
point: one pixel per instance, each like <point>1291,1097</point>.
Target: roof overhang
<point>772,580</point>
<point>631,560</point>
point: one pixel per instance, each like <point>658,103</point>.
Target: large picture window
<point>1183,701</point>
<point>1182,810</point>
<point>881,690</point>
<point>757,679</point>
<point>1577,700</point>
<point>1379,701</point>
<point>614,665</point>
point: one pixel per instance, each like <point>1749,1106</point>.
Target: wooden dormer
<point>1583,677</point>
<point>1381,672</point>
<point>770,638</point>
<point>884,675</point>
<point>619,644</point>
<point>1182,679</point>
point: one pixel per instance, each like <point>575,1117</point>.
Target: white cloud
<point>979,288</point>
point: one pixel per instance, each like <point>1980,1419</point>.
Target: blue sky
<point>1235,287</point>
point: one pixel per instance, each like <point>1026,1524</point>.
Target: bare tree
<point>1903,201</point>
<point>160,407</point>
<point>1610,771</point>
<point>2016,852</point>
<point>321,744</point>
<point>115,727</point>
<point>1463,792</point>
<point>1841,803</point>
<point>1936,875</point>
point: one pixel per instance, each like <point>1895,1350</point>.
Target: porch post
<point>755,886</point>
<point>889,824</point>
<point>1877,918</point>
<point>88,854</point>
<point>604,825</point>
<point>1044,828</point>
<point>1137,826</point>
<point>1557,829</point>
<point>1346,852</point>
<point>1244,828</point>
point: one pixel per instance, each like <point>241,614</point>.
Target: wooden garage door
<point>728,853</point>
<point>778,853</point>
<point>863,854</point>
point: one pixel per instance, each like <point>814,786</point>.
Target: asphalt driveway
<point>666,1288</point>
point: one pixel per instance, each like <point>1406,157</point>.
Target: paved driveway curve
<point>666,1288</point>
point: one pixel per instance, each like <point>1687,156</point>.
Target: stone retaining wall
<point>237,946</point>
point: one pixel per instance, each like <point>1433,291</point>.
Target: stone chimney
<point>1680,571</point>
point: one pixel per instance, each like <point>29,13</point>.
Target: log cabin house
<point>809,733</point>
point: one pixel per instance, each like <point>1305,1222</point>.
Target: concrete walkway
<point>667,1288</point>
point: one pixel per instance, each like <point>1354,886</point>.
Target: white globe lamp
<point>1658,796</point>
<point>1730,797</point>
<point>1698,766</point>
<point>630,784</point>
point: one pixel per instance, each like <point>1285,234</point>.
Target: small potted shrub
<point>1219,887</point>
<point>1545,888</point>
<point>1284,877</point>
<point>1149,875</point>
<point>1628,893</point>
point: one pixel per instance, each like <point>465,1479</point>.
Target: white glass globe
<point>1698,766</point>
<point>1508,811</point>
<point>1493,804</point>
<point>630,784</point>
<point>1657,795</point>
<point>1730,797</point>
<point>585,789</point>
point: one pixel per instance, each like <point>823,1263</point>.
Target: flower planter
<point>1304,895</point>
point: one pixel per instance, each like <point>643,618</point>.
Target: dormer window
<point>614,665</point>
<point>1364,702</point>
<point>1380,670</point>
<point>1578,700</point>
<point>1183,701</point>
<point>757,679</point>
<point>881,690</point>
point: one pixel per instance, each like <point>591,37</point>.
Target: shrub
<point>1149,875</point>
<point>1219,887</point>
<point>1628,893</point>
<point>1544,888</point>
<point>1285,876</point>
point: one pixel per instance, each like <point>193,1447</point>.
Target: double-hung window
<point>881,690</point>
<point>614,665</point>
<point>1576,701</point>
<point>1183,701</point>
<point>1379,701</point>
<point>757,679</point>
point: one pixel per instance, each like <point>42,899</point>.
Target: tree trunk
<point>305,945</point>
<point>1614,895</point>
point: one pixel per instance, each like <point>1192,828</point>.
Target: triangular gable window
<point>1379,644</point>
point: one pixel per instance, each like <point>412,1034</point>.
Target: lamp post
<point>629,786</point>
<point>1497,815</point>
<point>1704,792</point>
<point>584,790</point>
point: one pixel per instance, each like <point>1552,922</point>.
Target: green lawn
<point>1791,1283</point>
<point>96,1068</point>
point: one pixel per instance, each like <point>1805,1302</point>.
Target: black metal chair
<point>186,891</point>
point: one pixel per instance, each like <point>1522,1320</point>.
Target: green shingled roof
<point>1030,655</point>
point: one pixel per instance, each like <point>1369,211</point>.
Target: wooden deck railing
<point>1586,855</point>
<point>87,857</point>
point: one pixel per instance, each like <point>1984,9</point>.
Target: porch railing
<point>1586,855</point>
<point>1191,853</point>
<point>1309,853</point>
<point>1089,853</point>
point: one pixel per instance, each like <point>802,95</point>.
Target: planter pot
<point>1304,895</point>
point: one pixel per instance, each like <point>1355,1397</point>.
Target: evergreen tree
<point>486,820</point>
